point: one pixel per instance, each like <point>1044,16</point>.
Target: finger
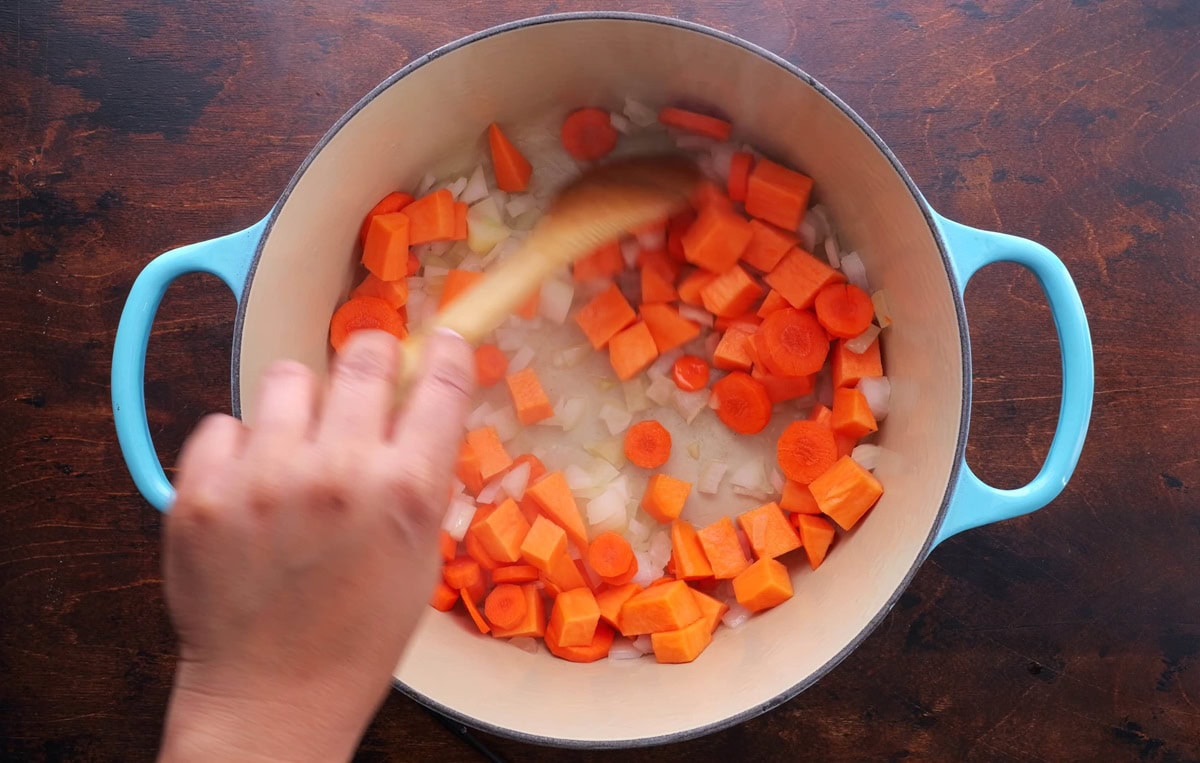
<point>283,412</point>
<point>433,417</point>
<point>361,389</point>
<point>208,454</point>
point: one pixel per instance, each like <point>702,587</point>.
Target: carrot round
<point>514,573</point>
<point>363,313</point>
<point>610,555</point>
<point>792,343</point>
<point>505,605</point>
<point>742,403</point>
<point>648,444</point>
<point>690,121</point>
<point>491,364</point>
<point>806,450</point>
<point>690,373</point>
<point>844,310</point>
<point>588,134</point>
<point>739,174</point>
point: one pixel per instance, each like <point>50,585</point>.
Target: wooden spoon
<point>598,206</point>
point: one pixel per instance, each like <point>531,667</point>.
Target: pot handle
<point>974,502</point>
<point>228,258</point>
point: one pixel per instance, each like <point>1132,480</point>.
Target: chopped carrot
<point>474,548</point>
<point>611,598</point>
<point>431,218</point>
<point>742,403</point>
<point>772,302</point>
<point>665,607</point>
<point>799,277</point>
<point>463,573</point>
<point>791,342</point>
<point>574,617</point>
<point>852,415</point>
<point>709,194</point>
<point>447,546</point>
<point>565,574</point>
<point>682,645</point>
<point>596,650</point>
<point>722,549</point>
<point>664,497</point>
<point>457,283</point>
<point>414,264</point>
<point>690,373</point>
<point>390,204</point>
<point>444,597</point>
<point>668,328</point>
<point>473,611</point>
<point>610,555</point>
<point>657,287</point>
<point>395,293</point>
<point>543,543</point>
<point>845,492</point>
<point>604,262</point>
<point>604,316</point>
<point>362,314</point>
<point>687,552</point>
<point>632,349</point>
<point>776,194</point>
<point>676,227</point>
<point>660,262</point>
<point>467,469</point>
<point>805,450</point>
<point>536,468</point>
<point>746,321</point>
<point>493,458</point>
<point>514,573</point>
<point>588,134</point>
<point>460,222</point>
<point>502,533</point>
<point>783,388</point>
<point>661,581</point>
<point>817,535</point>
<point>763,585</point>
<point>491,365</point>
<point>691,287</point>
<point>648,444</point>
<point>511,167</point>
<point>822,415</point>
<point>732,353</point>
<point>740,165</point>
<point>767,246</point>
<point>533,624</point>
<point>768,531</point>
<point>731,294</point>
<point>690,121</point>
<point>711,610</point>
<point>529,399</point>
<point>716,240</point>
<point>849,367</point>
<point>844,310</point>
<point>798,498</point>
<point>505,606</point>
<point>554,497</point>
<point>629,574</point>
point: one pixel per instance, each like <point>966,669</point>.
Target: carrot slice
<point>604,262</point>
<point>629,574</point>
<point>385,252</point>
<point>687,553</point>
<point>739,174</point>
<point>574,617</point>
<point>763,585</point>
<point>845,492</point>
<point>444,597</point>
<point>798,498</point>
<point>610,555</point>
<point>503,531</point>
<point>390,204</point>
<point>604,316</point>
<point>493,458</point>
<point>690,373</point>
<point>529,399</point>
<point>792,343</point>
<point>733,351</point>
<point>768,531</point>
<point>772,302</point>
<point>431,218</point>
<point>805,451</point>
<point>657,286</point>
<point>852,415</point>
<point>505,606</point>
<point>742,403</point>
<point>723,549</point>
<point>557,502</point>
<point>588,134</point>
<point>691,287</point>
<point>631,350</point>
<point>776,194</point>
<point>597,649</point>
<point>782,388</point>
<point>462,573</point>
<point>799,277</point>
<point>648,444</point>
<point>664,497</point>
<point>731,294</point>
<point>849,367</point>
<point>473,611</point>
<point>844,310</point>
<point>533,624</point>
<point>716,240</point>
<point>395,293</point>
<point>491,365</point>
<point>682,645</point>
<point>544,542</point>
<point>611,598</point>
<point>690,121</point>
<point>660,262</point>
<point>767,246</point>
<point>474,547</point>
<point>511,167</point>
<point>361,314</point>
<point>817,535</point>
<point>514,573</point>
<point>668,328</point>
<point>747,321</point>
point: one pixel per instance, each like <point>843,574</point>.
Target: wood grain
<point>131,127</point>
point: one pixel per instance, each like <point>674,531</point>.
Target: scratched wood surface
<point>133,126</point>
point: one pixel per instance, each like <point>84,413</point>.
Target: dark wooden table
<point>131,127</point>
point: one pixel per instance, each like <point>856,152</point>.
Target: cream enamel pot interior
<point>291,270</point>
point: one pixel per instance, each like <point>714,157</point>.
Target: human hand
<point>301,551</point>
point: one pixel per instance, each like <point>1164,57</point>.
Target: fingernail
<point>446,331</point>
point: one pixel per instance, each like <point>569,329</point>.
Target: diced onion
<point>697,314</point>
<point>711,474</point>
<point>603,472</point>
<point>458,517</point>
<point>639,113</point>
<point>644,644</point>
<point>569,412</point>
<point>661,390</point>
<point>491,491</point>
<point>867,455</point>
<point>577,477</point>
<point>660,549</point>
<point>554,301</point>
<point>432,252</point>
<point>663,364</point>
<point>521,359</point>
<point>477,417</point>
<point>604,507</point>
<point>855,271</point>
<point>635,395</point>
<point>456,188</point>
<point>515,482</point>
<point>476,188</point>
<point>722,158</point>
<point>504,421</point>
<point>611,449</point>
<point>499,198</point>
<point>689,404</point>
<point>525,643</point>
<point>502,250</point>
<point>620,123</point>
<point>819,217</point>
<point>833,253</point>
<point>736,616</point>
<point>520,203</point>
<point>637,533</point>
<point>653,239</point>
<point>693,449</point>
<point>878,392</point>
<point>883,314</point>
<point>646,573</point>
<point>630,251</point>
<point>485,228</point>
<point>426,184</point>
<point>748,475</point>
<point>859,344</point>
<point>808,236</point>
<point>616,419</point>
<point>623,648</point>
<point>777,480</point>
<point>509,339</point>
<point>573,356</point>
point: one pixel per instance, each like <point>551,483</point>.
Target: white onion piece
<point>859,344</point>
<point>616,419</point>
<point>688,142</point>
<point>426,184</point>
<point>833,253</point>
<point>572,356</point>
<point>693,450</point>
<point>569,412</point>
<point>472,262</point>
<point>435,272</point>
<point>603,472</point>
<point>554,300</point>
<point>722,158</point>
<point>757,493</point>
<point>644,644</point>
<point>577,477</point>
<point>525,643</point>
<point>736,616</point>
<point>477,417</point>
<point>510,339</point>
<point>611,449</point>
<point>433,252</point>
<point>623,649</point>
<point>777,480</point>
<point>502,250</point>
<point>456,187</point>
<point>604,507</point>
<point>662,365</point>
<point>630,251</point>
<point>635,395</point>
<point>620,486</point>
<point>639,113</point>
<point>808,236</point>
<point>620,123</point>
<point>878,392</point>
<point>748,475</point>
<point>855,271</point>
<point>646,574</point>
<point>458,517</point>
<point>491,491</point>
<point>697,314</point>
<point>521,359</point>
<point>883,314</point>
<point>637,533</point>
<point>819,217</point>
<point>499,198</point>
<point>476,188</point>
<point>483,236</point>
<point>515,482</point>
<point>689,404</point>
<point>520,203</point>
<point>660,549</point>
<point>867,455</point>
<point>661,390</point>
<point>711,474</point>
<point>652,240</point>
